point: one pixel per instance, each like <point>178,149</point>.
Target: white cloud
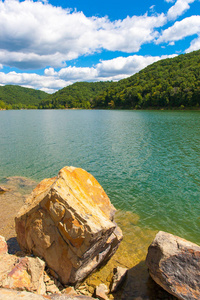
<point>178,8</point>
<point>195,45</point>
<point>187,27</point>
<point>32,80</point>
<point>36,35</point>
<point>78,74</point>
<point>50,72</point>
<point>129,34</point>
<point>122,67</point>
<point>52,81</point>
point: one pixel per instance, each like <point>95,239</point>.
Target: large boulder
<point>174,264</point>
<point>68,221</point>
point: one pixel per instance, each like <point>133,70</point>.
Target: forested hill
<point>17,97</point>
<point>168,83</point>
<point>77,95</point>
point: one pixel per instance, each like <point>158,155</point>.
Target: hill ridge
<point>168,83</point>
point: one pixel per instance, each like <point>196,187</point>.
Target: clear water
<point>148,162</point>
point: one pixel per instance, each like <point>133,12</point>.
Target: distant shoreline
<point>118,108</point>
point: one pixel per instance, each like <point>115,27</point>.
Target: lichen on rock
<point>174,264</point>
<point>68,221</point>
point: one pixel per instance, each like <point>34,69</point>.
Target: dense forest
<point>77,95</point>
<point>17,97</point>
<point>168,83</point>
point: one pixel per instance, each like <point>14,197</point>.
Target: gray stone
<point>174,264</point>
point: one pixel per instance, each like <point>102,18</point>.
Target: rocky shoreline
<point>106,282</point>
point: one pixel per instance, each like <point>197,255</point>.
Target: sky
<point>49,44</point>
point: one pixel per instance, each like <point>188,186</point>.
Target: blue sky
<point>48,45</point>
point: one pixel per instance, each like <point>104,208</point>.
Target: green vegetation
<point>17,97</point>
<point>77,95</point>
<point>168,83</point>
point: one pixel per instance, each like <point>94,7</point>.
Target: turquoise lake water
<point>148,162</point>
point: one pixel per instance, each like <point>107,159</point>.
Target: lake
<point>148,162</point>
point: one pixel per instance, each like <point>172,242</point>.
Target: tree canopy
<point>168,83</point>
<point>77,95</point>
<point>17,97</point>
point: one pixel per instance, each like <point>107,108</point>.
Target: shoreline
<point>193,108</point>
<point>131,253</point>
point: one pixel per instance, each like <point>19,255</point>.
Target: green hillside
<point>77,95</point>
<point>167,83</point>
<point>14,96</point>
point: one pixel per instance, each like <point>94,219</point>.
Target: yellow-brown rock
<point>25,273</point>
<point>68,221</point>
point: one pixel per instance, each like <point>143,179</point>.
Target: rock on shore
<point>69,222</point>
<point>174,264</point>
<point>22,273</point>
<point>6,294</point>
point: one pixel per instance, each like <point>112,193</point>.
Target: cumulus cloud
<point>122,67</point>
<point>178,8</point>
<point>52,80</point>
<point>114,69</point>
<point>186,27</point>
<point>195,45</point>
<point>33,80</point>
<point>36,35</point>
<point>170,1</point>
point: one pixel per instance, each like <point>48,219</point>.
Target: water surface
<point>147,161</point>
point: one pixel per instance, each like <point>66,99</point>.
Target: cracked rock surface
<point>174,264</point>
<point>68,221</point>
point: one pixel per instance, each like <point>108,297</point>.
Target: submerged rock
<point>68,221</point>
<point>174,264</point>
<point>3,189</point>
